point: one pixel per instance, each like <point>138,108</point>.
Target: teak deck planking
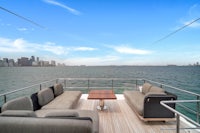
<point>120,118</point>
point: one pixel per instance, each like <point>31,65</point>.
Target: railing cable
<point>21,17</point>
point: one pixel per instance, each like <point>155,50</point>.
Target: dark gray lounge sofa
<point>146,103</point>
<point>48,111</point>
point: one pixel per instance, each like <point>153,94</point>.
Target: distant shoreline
<point>105,66</point>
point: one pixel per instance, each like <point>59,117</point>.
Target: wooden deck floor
<point>120,118</point>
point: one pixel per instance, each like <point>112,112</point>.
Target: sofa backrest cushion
<point>34,98</point>
<point>58,89</point>
<point>52,88</point>
<point>45,96</point>
<point>146,87</point>
<point>21,103</point>
<point>156,89</point>
<point>18,113</point>
<point>64,113</point>
<point>155,93</point>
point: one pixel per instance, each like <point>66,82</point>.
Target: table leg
<point>101,105</point>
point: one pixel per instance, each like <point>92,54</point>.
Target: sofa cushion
<point>58,89</point>
<point>63,113</point>
<point>45,96</point>
<point>21,103</point>
<point>34,98</point>
<point>136,100</point>
<point>155,93</point>
<point>156,89</point>
<point>18,113</point>
<point>44,125</point>
<point>66,100</point>
<point>93,115</point>
<point>146,87</point>
<point>52,88</point>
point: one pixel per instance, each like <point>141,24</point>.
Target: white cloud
<point>192,14</point>
<point>194,11</point>
<point>71,10</point>
<point>128,50</point>
<point>58,50</point>
<point>84,49</point>
<point>21,45</point>
<point>193,25</point>
<point>3,24</point>
<point>104,60</point>
<point>22,29</point>
<point>17,45</point>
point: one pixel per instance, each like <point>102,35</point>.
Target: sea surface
<point>184,77</point>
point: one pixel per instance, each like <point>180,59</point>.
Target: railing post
<point>198,109</point>
<point>4,98</point>
<point>112,85</point>
<point>161,86</point>
<point>88,84</point>
<point>136,84</point>
<point>65,83</point>
<point>40,86</point>
<point>177,123</point>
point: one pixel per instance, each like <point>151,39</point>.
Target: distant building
<point>1,63</point>
<point>53,63</point>
<point>18,62</point>
<point>11,63</point>
<point>46,63</point>
<point>5,62</point>
<point>35,63</point>
<point>33,58</point>
<point>63,64</point>
<point>25,61</point>
<point>38,59</point>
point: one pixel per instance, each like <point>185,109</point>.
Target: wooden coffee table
<point>101,95</point>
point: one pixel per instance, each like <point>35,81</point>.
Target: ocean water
<point>184,77</point>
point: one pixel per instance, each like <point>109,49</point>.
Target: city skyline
<point>42,63</point>
<point>102,32</point>
<point>25,61</point>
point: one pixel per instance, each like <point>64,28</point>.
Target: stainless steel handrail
<point>25,88</point>
<point>98,79</point>
<point>186,108</point>
<point>178,114</point>
<point>136,81</point>
<point>175,88</point>
<point>184,91</point>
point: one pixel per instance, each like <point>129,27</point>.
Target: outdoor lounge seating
<point>49,110</point>
<point>146,103</point>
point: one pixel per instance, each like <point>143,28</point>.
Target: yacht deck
<point>120,118</point>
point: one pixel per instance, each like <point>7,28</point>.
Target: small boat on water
<point>82,113</point>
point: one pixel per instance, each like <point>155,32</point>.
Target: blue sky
<point>102,32</point>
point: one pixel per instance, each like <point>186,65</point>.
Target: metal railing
<point>109,83</point>
<point>4,95</point>
<point>195,95</point>
<point>89,85</point>
<point>178,114</point>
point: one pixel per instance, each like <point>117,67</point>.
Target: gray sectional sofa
<point>146,102</point>
<point>48,111</point>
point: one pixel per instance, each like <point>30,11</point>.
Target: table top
<point>101,94</point>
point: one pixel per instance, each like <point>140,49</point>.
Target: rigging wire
<point>179,29</point>
<point>19,16</point>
